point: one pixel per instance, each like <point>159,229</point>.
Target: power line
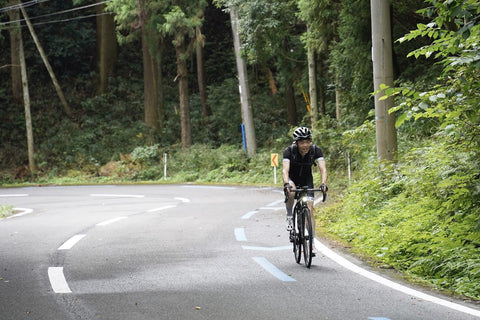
<point>57,13</point>
<point>61,20</point>
<point>19,5</point>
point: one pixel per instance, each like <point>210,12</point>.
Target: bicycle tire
<point>297,243</point>
<point>307,238</point>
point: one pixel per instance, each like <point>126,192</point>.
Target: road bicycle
<point>302,235</point>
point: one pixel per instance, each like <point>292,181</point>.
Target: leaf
<point>400,120</point>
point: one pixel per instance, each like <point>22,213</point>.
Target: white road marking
<point>117,195</point>
<point>267,248</point>
<point>396,286</point>
<point>267,265</point>
<point>272,208</point>
<point>104,223</point>
<point>57,280</point>
<point>161,208</point>
<point>14,195</point>
<point>275,203</point>
<point>25,211</point>
<point>240,234</point>
<point>248,215</point>
<point>67,245</point>
<point>184,200</point>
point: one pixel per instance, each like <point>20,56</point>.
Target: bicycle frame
<point>302,234</point>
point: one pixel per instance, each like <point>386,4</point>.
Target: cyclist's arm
<point>323,170</point>
<point>286,171</point>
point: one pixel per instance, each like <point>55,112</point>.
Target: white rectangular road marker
<point>57,280</point>
<point>71,242</point>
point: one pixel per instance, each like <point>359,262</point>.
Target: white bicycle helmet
<point>302,133</point>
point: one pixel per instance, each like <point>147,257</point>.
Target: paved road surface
<point>182,252</point>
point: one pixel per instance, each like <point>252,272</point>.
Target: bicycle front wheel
<point>308,237</point>
<point>297,240</point>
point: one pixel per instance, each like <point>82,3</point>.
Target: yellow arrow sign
<point>274,159</point>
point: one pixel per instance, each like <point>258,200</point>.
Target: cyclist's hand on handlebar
<point>323,187</point>
<point>287,188</point>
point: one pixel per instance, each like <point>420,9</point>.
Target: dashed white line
<point>104,223</point>
<point>14,195</point>
<point>272,269</point>
<point>57,280</point>
<point>184,200</point>
<point>161,208</point>
<point>248,215</point>
<point>67,245</point>
<point>240,234</point>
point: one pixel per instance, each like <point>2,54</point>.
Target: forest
<point>105,91</point>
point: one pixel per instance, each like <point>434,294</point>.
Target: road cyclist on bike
<point>298,160</point>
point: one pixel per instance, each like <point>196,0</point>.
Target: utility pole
<point>247,114</point>
<point>383,74</point>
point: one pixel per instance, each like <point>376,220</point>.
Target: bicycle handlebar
<point>306,189</point>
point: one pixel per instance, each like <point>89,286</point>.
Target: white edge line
<point>272,208</point>
<point>396,286</point>
<point>57,280</point>
<point>240,234</point>
<point>266,248</point>
<point>71,242</point>
<point>272,269</point>
<point>104,223</point>
<point>161,208</point>
<point>14,195</point>
<point>25,211</point>
<point>248,215</point>
<point>184,200</point>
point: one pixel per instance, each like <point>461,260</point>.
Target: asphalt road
<point>183,252</point>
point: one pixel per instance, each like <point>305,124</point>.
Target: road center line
<point>161,208</point>
<point>104,223</point>
<point>267,265</point>
<point>396,286</point>
<point>248,215</point>
<point>57,280</point>
<point>240,234</point>
<point>71,242</point>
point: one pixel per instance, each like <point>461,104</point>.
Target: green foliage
<point>420,216</point>
<point>5,210</point>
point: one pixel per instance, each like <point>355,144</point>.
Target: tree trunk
<point>26,100</point>
<point>312,85</point>
<point>338,99</point>
<point>47,65</point>
<point>247,114</point>
<point>383,74</point>
<point>183,92</point>
<point>149,85</point>
<point>106,47</point>
<point>200,72</point>
<point>15,38</point>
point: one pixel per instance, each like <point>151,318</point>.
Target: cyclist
<point>298,160</point>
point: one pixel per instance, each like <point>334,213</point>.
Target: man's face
<point>303,146</point>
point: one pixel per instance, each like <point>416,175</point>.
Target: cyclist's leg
<point>289,207</point>
<point>312,219</point>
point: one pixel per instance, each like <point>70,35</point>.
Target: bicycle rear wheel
<point>308,237</point>
<point>297,243</point>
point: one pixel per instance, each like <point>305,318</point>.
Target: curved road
<point>182,252</point>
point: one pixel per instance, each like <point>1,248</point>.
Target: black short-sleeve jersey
<point>301,167</point>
